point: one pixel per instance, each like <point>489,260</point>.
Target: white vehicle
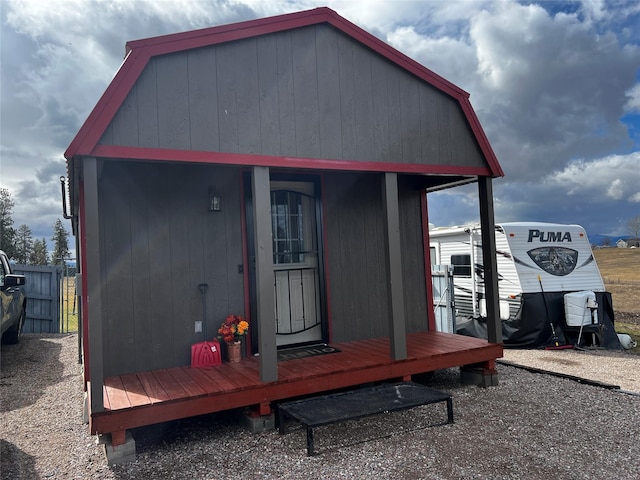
<point>537,264</point>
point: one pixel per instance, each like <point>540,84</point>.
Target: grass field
<point>620,270</point>
<point>69,317</point>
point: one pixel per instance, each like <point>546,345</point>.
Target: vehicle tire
<point>12,336</point>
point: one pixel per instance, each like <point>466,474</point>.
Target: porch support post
<point>397,326</point>
<point>91,253</point>
<point>488,238</point>
<point>264,274</point>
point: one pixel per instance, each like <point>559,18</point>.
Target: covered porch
<point>146,398</point>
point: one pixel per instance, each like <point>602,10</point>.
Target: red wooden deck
<point>157,396</point>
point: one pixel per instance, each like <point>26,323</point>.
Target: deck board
<point>308,366</point>
<point>244,372</point>
<point>146,398</point>
<point>375,352</point>
<point>155,392</point>
<point>183,377</point>
<point>214,374</point>
<point>107,402</point>
<point>135,391</point>
<point>238,381</point>
<point>286,371</point>
<point>116,393</point>
<point>206,382</point>
<point>173,389</point>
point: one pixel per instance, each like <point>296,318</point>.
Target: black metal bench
<point>363,402</point>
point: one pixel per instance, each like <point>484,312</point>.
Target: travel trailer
<point>538,264</point>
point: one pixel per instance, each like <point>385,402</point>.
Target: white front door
<point>295,263</point>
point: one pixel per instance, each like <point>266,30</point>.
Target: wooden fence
<point>43,297</point>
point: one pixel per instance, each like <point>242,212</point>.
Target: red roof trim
<point>176,42</point>
<point>196,156</point>
<point>140,51</point>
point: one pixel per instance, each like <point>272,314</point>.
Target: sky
<point>555,85</point>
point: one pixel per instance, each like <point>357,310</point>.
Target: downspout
<point>64,198</point>
<point>68,216</point>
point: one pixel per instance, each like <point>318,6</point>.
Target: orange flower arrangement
<point>233,328</point>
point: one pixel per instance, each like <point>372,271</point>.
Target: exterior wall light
<point>214,200</point>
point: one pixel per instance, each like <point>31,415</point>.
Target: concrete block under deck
<point>123,453</point>
<point>480,374</point>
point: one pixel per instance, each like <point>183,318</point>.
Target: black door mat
<point>307,351</point>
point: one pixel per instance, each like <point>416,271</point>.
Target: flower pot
<point>234,352</point>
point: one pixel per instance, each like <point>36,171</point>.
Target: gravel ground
<point>530,426</point>
<point>618,369</point>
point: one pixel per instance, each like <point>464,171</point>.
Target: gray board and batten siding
<point>311,92</point>
<point>159,242</point>
<point>357,270</point>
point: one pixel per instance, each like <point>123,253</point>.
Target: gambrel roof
<point>395,125</point>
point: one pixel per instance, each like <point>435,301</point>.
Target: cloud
<point>602,195</point>
<point>633,102</point>
<point>551,87</point>
<point>76,47</point>
<point>615,191</point>
<point>437,54</point>
<point>57,59</point>
<point>551,82</point>
<point>616,177</point>
<point>545,85</point>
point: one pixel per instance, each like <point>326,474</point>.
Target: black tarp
<point>531,327</point>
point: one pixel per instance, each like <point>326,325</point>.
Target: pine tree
<point>39,255</point>
<point>61,243</point>
<point>7,232</point>
<point>24,245</point>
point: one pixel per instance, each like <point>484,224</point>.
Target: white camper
<point>531,258</point>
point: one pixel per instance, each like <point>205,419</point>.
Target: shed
<point>284,162</point>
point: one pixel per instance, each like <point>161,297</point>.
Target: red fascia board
<point>241,159</point>
<point>110,101</point>
<point>225,33</point>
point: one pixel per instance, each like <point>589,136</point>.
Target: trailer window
<point>461,265</point>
